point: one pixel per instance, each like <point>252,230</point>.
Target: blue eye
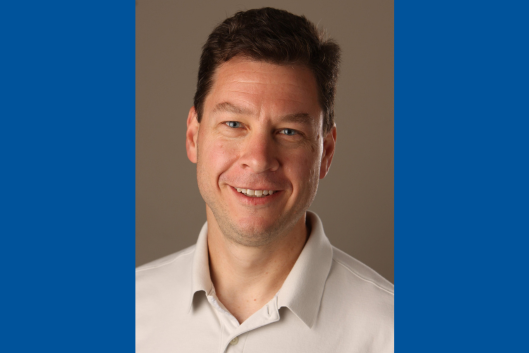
<point>289,132</point>
<point>233,124</point>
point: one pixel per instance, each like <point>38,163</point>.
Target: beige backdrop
<point>355,201</point>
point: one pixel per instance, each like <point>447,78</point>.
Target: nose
<point>260,153</point>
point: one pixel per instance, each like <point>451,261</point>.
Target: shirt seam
<point>166,263</point>
<point>245,339</point>
<point>363,278</point>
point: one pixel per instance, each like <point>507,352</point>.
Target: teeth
<point>255,193</point>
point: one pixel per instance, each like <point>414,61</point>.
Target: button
<point>234,341</point>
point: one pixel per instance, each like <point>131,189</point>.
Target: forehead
<point>264,87</point>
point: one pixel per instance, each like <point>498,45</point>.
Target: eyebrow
<point>230,108</point>
<point>301,118</point>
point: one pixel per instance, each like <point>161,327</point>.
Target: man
<point>263,276</point>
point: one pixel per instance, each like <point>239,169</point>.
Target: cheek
<point>216,157</point>
<point>303,169</point>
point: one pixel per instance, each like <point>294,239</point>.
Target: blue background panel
<point>67,200</point>
<point>461,176</point>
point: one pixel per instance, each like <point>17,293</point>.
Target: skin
<point>261,129</point>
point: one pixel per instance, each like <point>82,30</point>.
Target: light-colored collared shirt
<point>329,302</point>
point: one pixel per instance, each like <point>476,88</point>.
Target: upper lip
<point>256,188</point>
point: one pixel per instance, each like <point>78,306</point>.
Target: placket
<point>228,322</point>
<point>235,342</point>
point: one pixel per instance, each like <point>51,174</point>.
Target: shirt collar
<point>201,275</point>
<point>302,290</point>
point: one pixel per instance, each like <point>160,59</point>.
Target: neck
<point>246,278</point>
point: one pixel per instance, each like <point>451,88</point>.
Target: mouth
<point>256,197</point>
<point>255,193</point>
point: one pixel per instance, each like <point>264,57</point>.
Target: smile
<point>255,193</point>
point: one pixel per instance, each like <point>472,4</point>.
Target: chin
<point>253,234</point>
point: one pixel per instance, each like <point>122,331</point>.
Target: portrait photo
<point>264,134</point>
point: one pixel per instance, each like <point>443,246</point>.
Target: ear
<point>192,135</point>
<point>329,143</point>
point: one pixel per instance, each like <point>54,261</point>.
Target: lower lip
<point>255,201</point>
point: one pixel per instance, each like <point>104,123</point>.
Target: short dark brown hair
<point>274,36</point>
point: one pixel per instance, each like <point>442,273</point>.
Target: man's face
<point>261,130</point>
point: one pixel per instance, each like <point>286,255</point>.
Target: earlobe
<point>192,135</point>
<point>329,144</point>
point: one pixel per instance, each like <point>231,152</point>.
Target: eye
<point>233,124</point>
<point>289,132</point>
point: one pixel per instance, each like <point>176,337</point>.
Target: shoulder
<point>165,277</point>
<point>361,273</point>
<point>166,260</point>
<point>362,301</point>
<point>360,284</point>
<point>162,292</point>
<point>360,289</point>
